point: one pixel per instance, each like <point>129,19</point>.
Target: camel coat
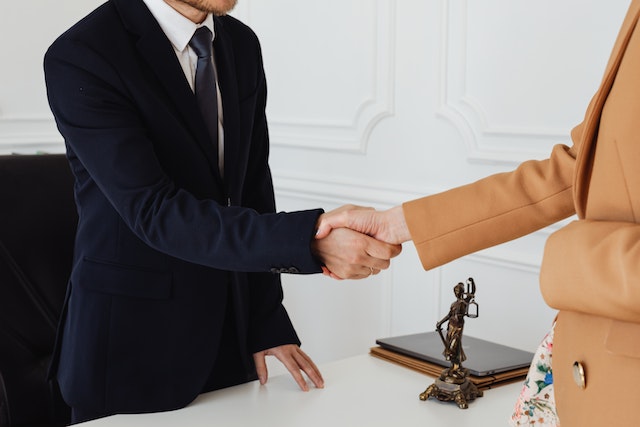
<point>591,268</point>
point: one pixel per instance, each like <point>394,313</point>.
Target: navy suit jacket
<point>161,238</point>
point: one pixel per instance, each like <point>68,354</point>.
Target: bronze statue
<point>454,384</point>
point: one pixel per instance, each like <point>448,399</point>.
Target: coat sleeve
<point>493,210</point>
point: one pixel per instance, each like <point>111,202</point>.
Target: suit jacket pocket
<point>623,339</point>
<point>124,280</point>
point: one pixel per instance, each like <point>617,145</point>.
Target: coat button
<point>578,375</point>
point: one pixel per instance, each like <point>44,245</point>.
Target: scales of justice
<point>453,385</point>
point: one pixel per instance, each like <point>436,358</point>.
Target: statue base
<point>455,390</point>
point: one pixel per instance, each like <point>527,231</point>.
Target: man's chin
<point>225,7</point>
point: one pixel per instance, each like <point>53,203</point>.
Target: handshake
<point>354,242</point>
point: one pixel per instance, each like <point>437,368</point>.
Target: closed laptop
<point>483,357</point>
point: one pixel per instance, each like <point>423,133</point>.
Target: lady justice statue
<point>454,384</point>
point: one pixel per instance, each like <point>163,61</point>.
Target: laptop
<point>483,357</point>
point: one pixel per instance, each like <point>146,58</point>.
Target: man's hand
<point>388,226</point>
<point>348,254</point>
<point>295,360</point>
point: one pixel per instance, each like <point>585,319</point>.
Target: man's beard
<point>217,9</point>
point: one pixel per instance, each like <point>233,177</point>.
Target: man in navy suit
<point>175,288</point>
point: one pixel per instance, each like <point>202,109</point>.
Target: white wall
<point>375,102</point>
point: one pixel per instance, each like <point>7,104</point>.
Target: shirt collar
<point>177,28</point>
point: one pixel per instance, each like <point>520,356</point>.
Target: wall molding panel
<point>341,190</point>
<point>348,132</point>
<point>486,140</point>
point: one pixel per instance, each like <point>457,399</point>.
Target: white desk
<point>359,391</point>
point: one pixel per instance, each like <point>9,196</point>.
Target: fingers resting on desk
<point>295,360</point>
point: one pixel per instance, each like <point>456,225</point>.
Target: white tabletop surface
<point>359,391</point>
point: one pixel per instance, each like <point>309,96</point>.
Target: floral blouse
<point>536,403</point>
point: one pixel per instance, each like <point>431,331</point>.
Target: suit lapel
<point>591,123</point>
<point>226,66</point>
<point>156,49</point>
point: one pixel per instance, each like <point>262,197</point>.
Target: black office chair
<point>37,227</point>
